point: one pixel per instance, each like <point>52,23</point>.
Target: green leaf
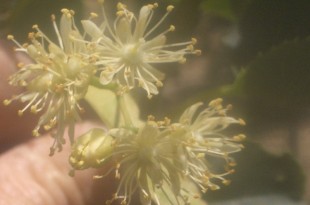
<point>26,13</point>
<point>105,104</point>
<point>221,8</point>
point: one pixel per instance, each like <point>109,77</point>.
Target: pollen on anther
<point>31,35</point>
<point>35,133</point>
<point>194,41</point>
<point>198,52</point>
<point>93,15</point>
<point>242,122</point>
<point>171,28</point>
<point>6,102</point>
<point>47,127</point>
<point>120,6</point>
<point>35,26</point>
<point>20,112</point>
<point>64,11</point>
<point>170,8</point>
<point>239,138</point>
<point>120,13</point>
<point>226,182</point>
<point>33,109</point>
<point>182,61</point>
<point>10,37</point>
<point>20,65</point>
<point>53,17</point>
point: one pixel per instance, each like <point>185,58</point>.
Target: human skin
<point>28,175</point>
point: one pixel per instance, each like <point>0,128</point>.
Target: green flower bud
<point>91,149</point>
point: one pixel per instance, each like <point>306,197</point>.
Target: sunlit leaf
<point>105,104</point>
<point>222,8</point>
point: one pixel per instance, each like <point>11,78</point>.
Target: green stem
<point>124,111</point>
<point>96,83</point>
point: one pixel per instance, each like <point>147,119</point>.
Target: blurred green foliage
<point>276,84</point>
<point>260,173</point>
<point>24,14</point>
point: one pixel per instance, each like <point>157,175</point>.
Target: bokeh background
<point>255,55</point>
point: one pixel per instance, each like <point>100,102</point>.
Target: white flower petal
<point>92,29</point>
<point>123,30</point>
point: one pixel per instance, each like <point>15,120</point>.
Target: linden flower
<point>127,50</point>
<point>198,136</point>
<point>56,80</point>
<point>143,162</point>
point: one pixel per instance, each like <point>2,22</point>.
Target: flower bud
<point>91,149</point>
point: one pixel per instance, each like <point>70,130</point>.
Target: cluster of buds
<point>155,157</point>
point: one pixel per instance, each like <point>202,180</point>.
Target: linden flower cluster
<point>56,80</point>
<point>60,75</point>
<point>155,159</point>
<point>125,52</point>
<point>160,156</point>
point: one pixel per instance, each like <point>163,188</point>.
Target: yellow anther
<point>6,102</point>
<point>151,6</point>
<point>190,47</point>
<point>240,137</point>
<point>35,26</point>
<point>93,15</point>
<point>194,41</point>
<point>183,60</point>
<point>226,182</point>
<point>231,171</point>
<point>229,107</point>
<point>72,160</point>
<point>47,127</point>
<point>232,164</point>
<point>120,6</point>
<point>216,102</point>
<point>80,163</point>
<point>10,37</point>
<point>100,1</point>
<point>167,121</point>
<point>155,5</point>
<point>20,112</point>
<point>149,96</point>
<point>197,52</point>
<point>20,65</point>
<point>159,84</point>
<point>242,122</point>
<point>150,118</point>
<point>120,13</point>
<point>53,17</point>
<point>35,133</point>
<point>214,187</point>
<point>64,11</point>
<point>31,35</point>
<point>33,109</point>
<point>170,8</point>
<point>25,45</point>
<point>22,83</point>
<point>196,196</point>
<point>172,28</point>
